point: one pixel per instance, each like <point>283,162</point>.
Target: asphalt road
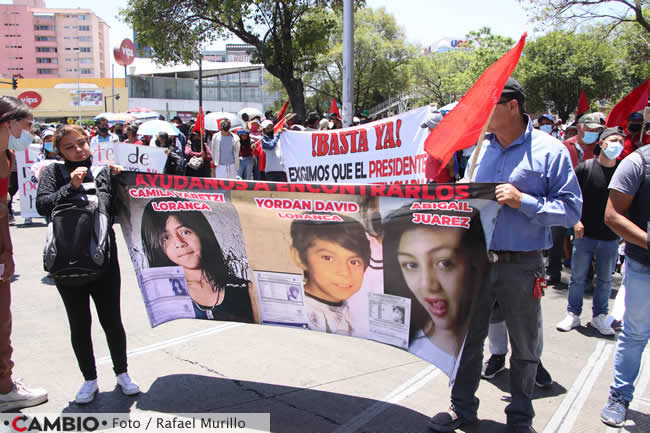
<point>307,381</point>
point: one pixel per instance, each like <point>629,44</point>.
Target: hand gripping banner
<point>398,264</point>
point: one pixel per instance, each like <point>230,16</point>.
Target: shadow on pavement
<point>105,402</point>
<point>641,422</point>
<point>292,409</point>
<point>589,331</point>
<point>484,426</point>
<point>502,381</point>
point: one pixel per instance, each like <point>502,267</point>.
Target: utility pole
<point>348,62</point>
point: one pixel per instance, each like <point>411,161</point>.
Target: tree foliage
<point>381,54</point>
<point>575,13</point>
<point>287,35</point>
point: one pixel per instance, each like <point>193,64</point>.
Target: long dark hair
<point>348,233</point>
<point>214,267</point>
<point>13,109</point>
<point>473,244</point>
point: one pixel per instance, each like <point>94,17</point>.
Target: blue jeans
<point>636,328</point>
<point>245,170</point>
<point>605,253</point>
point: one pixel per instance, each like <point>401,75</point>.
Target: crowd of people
<point>573,192</point>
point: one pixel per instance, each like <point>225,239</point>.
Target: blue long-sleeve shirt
<point>540,167</point>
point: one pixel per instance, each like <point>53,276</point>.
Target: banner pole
<point>479,143</point>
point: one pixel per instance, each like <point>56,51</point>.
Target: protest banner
<point>389,150</point>
<point>132,157</point>
<point>26,187</point>
<point>398,264</point>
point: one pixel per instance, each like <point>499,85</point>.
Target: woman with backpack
<point>67,183</point>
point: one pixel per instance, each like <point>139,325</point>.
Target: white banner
<point>133,157</point>
<point>390,150</point>
<point>26,188</point>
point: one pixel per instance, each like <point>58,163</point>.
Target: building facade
<point>37,42</point>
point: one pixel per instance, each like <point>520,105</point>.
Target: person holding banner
<point>334,257</point>
<point>194,149</point>
<point>55,188</point>
<point>440,270</point>
<point>186,239</point>
<point>274,166</point>
<point>537,189</point>
<point>16,120</point>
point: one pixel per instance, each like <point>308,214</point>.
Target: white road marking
<point>395,396</point>
<point>172,342</point>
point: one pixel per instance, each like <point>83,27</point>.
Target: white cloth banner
<point>133,157</point>
<point>26,188</point>
<point>389,150</point>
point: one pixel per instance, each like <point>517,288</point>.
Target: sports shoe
<point>21,396</point>
<point>494,365</point>
<point>543,378</point>
<point>128,386</point>
<point>87,392</point>
<point>444,422</point>
<point>600,323</point>
<point>569,322</point>
<point>614,412</point>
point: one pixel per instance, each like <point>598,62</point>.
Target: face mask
<point>103,130</point>
<point>590,137</point>
<point>49,146</point>
<point>613,150</point>
<point>634,128</point>
<point>21,143</point>
<point>546,128</point>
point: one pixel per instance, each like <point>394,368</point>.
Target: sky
<point>424,21</point>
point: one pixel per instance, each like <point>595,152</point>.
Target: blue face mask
<point>590,137</point>
<point>21,143</point>
<point>613,150</point>
<point>546,128</point>
<point>48,146</point>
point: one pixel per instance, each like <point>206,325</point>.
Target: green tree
<point>288,35</point>
<point>575,13</point>
<point>556,66</point>
<point>381,55</point>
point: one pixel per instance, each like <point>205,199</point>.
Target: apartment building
<point>37,42</point>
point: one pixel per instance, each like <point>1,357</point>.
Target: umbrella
<point>154,127</point>
<point>104,115</point>
<point>212,124</point>
<point>122,117</point>
<point>447,108</point>
<point>139,110</point>
<point>146,115</point>
<point>252,112</point>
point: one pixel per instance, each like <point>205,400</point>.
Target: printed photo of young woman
<point>440,269</point>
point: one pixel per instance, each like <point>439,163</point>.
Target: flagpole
<point>479,143</point>
<point>348,62</point>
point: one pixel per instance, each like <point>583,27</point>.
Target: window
<point>40,27</point>
<point>46,50</point>
<point>15,69</point>
<point>46,71</point>
<point>11,24</point>
<point>86,71</point>
<point>84,49</point>
<point>84,28</point>
<point>15,58</point>
<point>85,60</point>
<point>12,36</point>
<point>13,46</point>
<point>46,38</point>
<point>83,17</point>
<point>84,38</point>
<point>45,60</point>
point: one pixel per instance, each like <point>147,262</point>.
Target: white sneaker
<point>600,323</point>
<point>87,392</point>
<point>128,386</point>
<point>21,396</point>
<point>569,322</point>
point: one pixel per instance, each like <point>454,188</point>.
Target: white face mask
<point>613,150</point>
<point>21,143</point>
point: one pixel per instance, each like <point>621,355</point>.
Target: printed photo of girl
<point>439,268</point>
<point>186,239</point>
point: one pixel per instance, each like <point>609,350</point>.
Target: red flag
<point>583,104</point>
<point>335,108</point>
<point>199,125</point>
<point>283,110</point>
<point>461,128</point>
<point>636,100</point>
<point>278,126</point>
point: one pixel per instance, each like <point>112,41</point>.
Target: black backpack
<point>77,249</point>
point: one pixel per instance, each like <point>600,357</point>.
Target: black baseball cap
<point>617,130</point>
<point>512,90</point>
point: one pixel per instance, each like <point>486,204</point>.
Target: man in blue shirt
<point>537,189</point>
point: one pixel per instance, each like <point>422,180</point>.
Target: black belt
<point>510,256</point>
